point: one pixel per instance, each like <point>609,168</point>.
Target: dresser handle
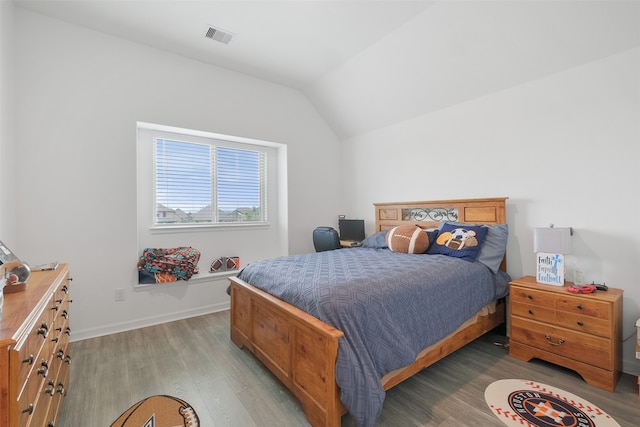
<point>49,391</point>
<point>580,323</point>
<point>580,307</point>
<point>29,409</point>
<point>530,296</point>
<point>531,312</point>
<point>29,360</point>
<point>560,341</point>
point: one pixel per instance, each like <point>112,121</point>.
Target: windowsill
<point>196,278</point>
<point>203,227</point>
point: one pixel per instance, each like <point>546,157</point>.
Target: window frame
<point>147,134</point>
<point>213,149</point>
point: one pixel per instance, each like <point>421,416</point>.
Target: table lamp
<point>550,245</point>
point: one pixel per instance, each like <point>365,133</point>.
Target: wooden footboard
<point>298,348</point>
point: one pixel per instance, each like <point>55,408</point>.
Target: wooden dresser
<point>582,332</point>
<point>34,362</point>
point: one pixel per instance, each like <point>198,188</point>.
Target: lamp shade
<point>553,240</point>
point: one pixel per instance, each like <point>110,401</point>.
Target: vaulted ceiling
<point>372,63</point>
<point>291,42</point>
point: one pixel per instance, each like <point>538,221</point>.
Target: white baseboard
<point>114,328</point>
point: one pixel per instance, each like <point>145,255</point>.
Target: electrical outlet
<point>120,294</point>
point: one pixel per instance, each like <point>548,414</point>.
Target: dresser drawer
<point>531,311</point>
<point>574,345</point>
<point>532,296</point>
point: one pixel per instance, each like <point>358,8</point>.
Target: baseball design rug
<point>159,411</point>
<point>531,404</point>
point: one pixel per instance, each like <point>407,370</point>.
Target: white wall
<point>79,96</point>
<point>7,156</point>
<point>563,148</point>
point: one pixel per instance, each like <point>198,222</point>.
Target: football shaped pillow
<point>408,239</point>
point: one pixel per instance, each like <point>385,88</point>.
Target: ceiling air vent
<point>218,35</point>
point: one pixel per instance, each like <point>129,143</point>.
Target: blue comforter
<point>389,305</point>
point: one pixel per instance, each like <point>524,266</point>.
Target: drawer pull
<point>29,360</point>
<point>55,307</point>
<point>59,301</point>
<point>560,341</point>
<point>531,312</point>
<point>580,306</point>
<point>60,354</point>
<point>580,323</point>
<point>67,360</point>
<point>55,339</point>
<point>29,409</point>
<point>61,389</point>
<point>530,296</point>
<point>49,391</point>
<point>65,314</point>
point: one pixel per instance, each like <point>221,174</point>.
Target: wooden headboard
<point>428,214</point>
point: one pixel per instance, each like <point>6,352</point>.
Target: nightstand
<point>582,332</point>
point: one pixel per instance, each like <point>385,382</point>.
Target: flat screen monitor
<point>351,229</point>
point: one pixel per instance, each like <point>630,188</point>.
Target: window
<point>222,195</point>
<point>208,183</point>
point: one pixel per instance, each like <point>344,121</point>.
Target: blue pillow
<point>494,246</point>
<point>459,240</point>
<point>376,241</point>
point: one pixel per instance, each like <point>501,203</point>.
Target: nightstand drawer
<point>585,348</point>
<point>584,306</point>
<point>582,323</point>
<point>532,296</point>
<point>531,311</point>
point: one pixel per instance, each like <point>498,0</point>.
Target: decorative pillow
<point>459,240</point>
<point>494,246</point>
<point>408,239</point>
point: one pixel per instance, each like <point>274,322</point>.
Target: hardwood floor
<point>194,359</point>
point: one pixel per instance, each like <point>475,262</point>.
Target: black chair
<point>326,239</point>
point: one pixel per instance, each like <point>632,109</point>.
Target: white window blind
<point>198,183</point>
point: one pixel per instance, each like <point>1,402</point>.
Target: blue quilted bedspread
<point>389,305</point>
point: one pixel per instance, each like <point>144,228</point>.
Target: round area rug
<point>528,403</point>
<point>159,411</point>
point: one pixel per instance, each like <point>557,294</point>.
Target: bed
<point>325,362</point>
